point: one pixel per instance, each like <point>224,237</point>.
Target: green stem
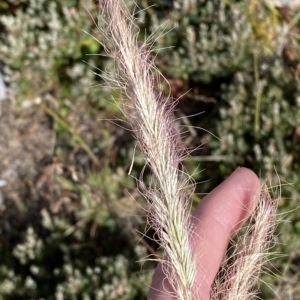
<point>258,98</point>
<point>77,138</point>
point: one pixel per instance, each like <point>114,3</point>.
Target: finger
<point>216,219</point>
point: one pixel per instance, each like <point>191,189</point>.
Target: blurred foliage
<point>240,61</point>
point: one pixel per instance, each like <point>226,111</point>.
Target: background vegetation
<point>70,216</point>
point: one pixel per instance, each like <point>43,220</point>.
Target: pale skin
<point>216,220</point>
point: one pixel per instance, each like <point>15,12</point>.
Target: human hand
<point>216,220</point>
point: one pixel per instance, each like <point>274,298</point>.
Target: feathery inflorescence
<point>151,116</point>
<point>239,274</point>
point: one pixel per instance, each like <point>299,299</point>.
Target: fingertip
<point>248,181</point>
<point>249,176</point>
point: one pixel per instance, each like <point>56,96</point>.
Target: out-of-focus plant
<point>73,237</point>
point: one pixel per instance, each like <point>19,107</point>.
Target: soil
<point>26,143</point>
